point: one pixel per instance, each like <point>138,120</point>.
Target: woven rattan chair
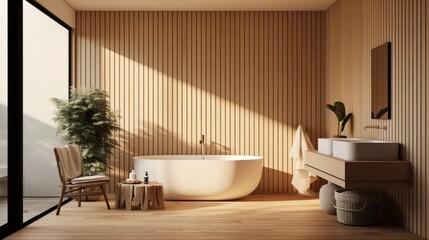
<point>73,183</point>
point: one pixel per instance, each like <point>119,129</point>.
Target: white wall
<point>46,75</point>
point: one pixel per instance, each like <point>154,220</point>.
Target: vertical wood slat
<point>425,116</point>
<point>405,24</point>
<point>244,79</point>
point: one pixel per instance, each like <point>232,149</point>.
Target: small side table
<point>147,196</point>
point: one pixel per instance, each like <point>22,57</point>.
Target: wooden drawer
<point>359,174</point>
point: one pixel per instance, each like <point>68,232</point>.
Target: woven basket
<point>356,207</point>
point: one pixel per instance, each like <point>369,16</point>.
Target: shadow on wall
<point>152,139</point>
<point>391,208</point>
<point>40,169</point>
<point>279,182</point>
<point>218,148</point>
<point>255,77</point>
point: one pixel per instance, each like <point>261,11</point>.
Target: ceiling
<point>200,5</point>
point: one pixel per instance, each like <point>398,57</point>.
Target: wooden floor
<point>254,217</point>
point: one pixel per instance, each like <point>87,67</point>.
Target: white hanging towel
<point>302,178</point>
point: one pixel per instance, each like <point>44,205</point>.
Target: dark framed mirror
<point>381,82</point>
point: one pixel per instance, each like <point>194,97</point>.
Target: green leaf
<point>331,107</point>
<point>340,110</point>
<point>344,122</point>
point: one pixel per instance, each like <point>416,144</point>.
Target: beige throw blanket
<point>71,162</point>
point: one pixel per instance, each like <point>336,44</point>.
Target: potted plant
<point>85,119</point>
<point>340,111</point>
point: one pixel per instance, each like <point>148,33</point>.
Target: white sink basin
<point>325,144</point>
<point>365,150</point>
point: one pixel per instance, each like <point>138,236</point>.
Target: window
<point>45,75</point>
<point>3,112</point>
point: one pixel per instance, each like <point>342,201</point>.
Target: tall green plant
<point>340,111</point>
<point>85,119</point>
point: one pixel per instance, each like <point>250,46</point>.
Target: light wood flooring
<point>254,217</point>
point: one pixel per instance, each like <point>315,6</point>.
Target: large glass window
<point>34,67</point>
<point>46,75</point>
<point>3,112</point>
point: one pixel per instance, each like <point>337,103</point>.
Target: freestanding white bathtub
<point>190,177</point>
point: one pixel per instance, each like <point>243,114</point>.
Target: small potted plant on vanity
<point>340,111</point>
<point>85,119</point>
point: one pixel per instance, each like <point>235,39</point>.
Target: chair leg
<point>79,198</point>
<point>104,195</point>
<point>60,202</point>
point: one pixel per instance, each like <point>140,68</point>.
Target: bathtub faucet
<point>202,145</point>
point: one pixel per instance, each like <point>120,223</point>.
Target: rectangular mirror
<point>381,82</point>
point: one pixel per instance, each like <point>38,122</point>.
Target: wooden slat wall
<point>244,79</point>
<point>353,28</point>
